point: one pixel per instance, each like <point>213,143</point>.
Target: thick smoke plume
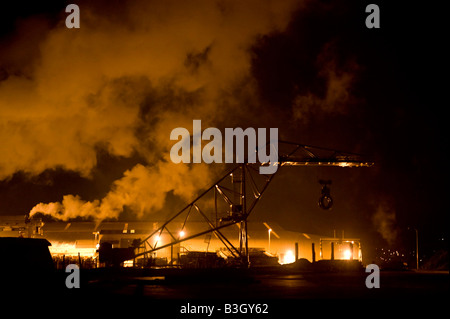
<point>121,83</point>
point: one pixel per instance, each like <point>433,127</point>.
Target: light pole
<point>269,231</point>
<point>417,246</point>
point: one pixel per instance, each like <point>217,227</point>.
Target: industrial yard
<point>210,158</point>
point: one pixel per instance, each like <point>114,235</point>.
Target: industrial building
<point>268,242</point>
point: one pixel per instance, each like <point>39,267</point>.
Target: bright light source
<point>157,238</point>
<point>347,254</point>
<point>344,164</point>
<point>181,233</point>
<point>289,257</point>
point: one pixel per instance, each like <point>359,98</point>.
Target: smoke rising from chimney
<point>142,189</point>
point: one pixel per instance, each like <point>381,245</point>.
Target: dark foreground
<point>271,284</point>
<point>276,291</point>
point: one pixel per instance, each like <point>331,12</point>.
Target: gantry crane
<point>240,189</point>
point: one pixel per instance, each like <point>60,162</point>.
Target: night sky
<point>87,113</point>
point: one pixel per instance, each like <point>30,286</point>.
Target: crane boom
<point>307,155</point>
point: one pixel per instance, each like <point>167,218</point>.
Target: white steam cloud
<point>384,221</point>
<point>122,82</point>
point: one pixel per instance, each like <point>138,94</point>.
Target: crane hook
<point>325,199</point>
